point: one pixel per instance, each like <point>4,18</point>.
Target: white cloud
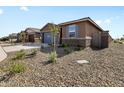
<point>1,11</point>
<point>107,21</point>
<point>98,22</point>
<point>24,8</point>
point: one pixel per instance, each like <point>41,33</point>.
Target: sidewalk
<point>3,55</point>
<point>18,48</point>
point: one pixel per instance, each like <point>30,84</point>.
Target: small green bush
<point>78,48</point>
<point>120,42</point>
<point>33,52</point>
<point>115,41</point>
<point>53,57</point>
<point>19,55</point>
<point>122,39</point>
<point>17,68</point>
<point>67,50</point>
<point>64,45</point>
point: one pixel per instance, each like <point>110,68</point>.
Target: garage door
<point>48,38</point>
<point>31,38</point>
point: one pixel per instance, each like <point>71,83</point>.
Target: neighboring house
<point>13,37</point>
<point>32,35</point>
<point>83,32</point>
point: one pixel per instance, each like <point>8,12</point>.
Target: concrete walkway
<point>3,54</point>
<point>18,48</point>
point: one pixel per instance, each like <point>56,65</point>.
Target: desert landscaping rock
<point>106,68</point>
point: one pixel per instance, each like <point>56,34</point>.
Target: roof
<point>47,25</point>
<point>32,30</point>
<point>80,20</point>
<point>13,34</point>
<point>109,34</point>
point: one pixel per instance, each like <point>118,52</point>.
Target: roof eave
<point>81,20</point>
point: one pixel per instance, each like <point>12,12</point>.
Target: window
<point>72,31</point>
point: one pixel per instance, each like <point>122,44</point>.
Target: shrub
<point>19,55</point>
<point>120,42</point>
<point>17,68</point>
<point>33,52</point>
<point>115,41</point>
<point>67,50</point>
<point>53,57</point>
<point>64,45</point>
<point>4,39</point>
<point>78,48</point>
<point>122,39</point>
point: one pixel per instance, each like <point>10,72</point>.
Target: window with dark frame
<point>72,31</point>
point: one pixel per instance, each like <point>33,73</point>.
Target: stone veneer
<point>77,42</point>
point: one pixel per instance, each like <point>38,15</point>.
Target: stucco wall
<point>95,34</point>
<point>80,32</point>
<point>91,29</point>
<point>46,28</point>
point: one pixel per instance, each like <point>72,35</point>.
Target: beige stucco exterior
<point>88,34</point>
<point>81,32</point>
<point>84,36</point>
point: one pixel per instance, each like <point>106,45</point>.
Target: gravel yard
<point>105,68</point>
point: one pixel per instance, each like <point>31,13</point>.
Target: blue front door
<point>47,38</point>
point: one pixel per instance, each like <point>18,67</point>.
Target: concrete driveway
<point>18,48</point>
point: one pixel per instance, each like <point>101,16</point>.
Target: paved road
<point>3,55</point>
<point>18,48</point>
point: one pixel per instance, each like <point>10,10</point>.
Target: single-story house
<point>30,35</point>
<point>82,32</point>
<point>33,35</point>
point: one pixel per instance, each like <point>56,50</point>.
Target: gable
<point>46,28</point>
<point>82,20</point>
<point>32,30</point>
<point>90,28</point>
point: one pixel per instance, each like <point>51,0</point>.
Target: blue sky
<point>13,19</point>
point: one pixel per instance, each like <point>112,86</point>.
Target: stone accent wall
<point>76,42</point>
<point>87,42</point>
